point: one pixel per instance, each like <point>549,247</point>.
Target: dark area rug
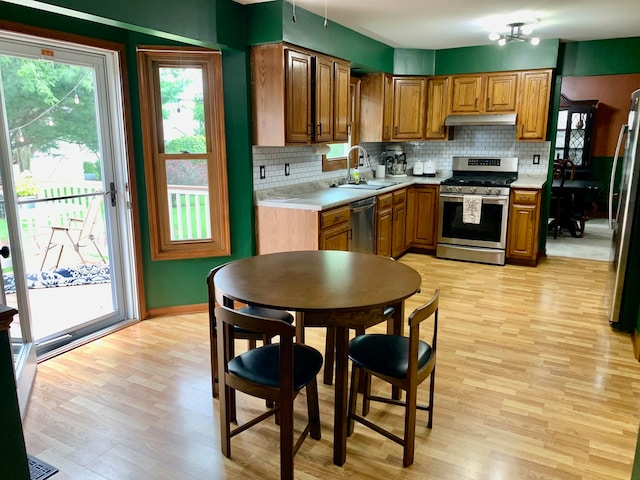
<point>62,277</point>
<point>38,470</point>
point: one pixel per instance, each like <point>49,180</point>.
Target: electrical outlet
<point>536,159</point>
<point>287,170</point>
<point>263,172</point>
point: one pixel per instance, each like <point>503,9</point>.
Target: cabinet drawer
<point>385,201</point>
<point>525,196</point>
<point>400,197</point>
<point>334,217</point>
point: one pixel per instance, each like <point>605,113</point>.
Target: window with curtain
<point>184,149</point>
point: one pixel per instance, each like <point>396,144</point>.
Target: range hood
<point>485,119</point>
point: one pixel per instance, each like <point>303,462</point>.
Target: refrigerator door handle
<point>623,131</point>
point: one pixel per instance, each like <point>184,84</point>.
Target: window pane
<point>182,110</point>
<point>188,197</point>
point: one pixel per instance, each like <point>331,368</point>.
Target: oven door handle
<point>485,198</point>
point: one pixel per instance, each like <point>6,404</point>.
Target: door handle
<point>5,252</point>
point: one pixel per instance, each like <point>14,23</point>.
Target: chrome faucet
<point>365,156</point>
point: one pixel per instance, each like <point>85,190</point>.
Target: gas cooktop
<point>482,175</point>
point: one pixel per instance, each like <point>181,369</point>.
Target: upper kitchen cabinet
<point>299,97</point>
<point>392,108</point>
<point>533,105</point>
<point>437,108</point>
<point>484,93</point>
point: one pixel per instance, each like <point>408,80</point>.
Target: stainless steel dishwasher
<point>363,217</point>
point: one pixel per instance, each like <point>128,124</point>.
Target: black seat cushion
<point>261,365</point>
<point>386,354</point>
<point>268,313</point>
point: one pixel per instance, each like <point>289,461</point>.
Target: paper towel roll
<point>381,171</point>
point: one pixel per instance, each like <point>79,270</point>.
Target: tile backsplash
<point>492,141</point>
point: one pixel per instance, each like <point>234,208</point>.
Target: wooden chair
<point>275,373</point>
<point>330,344</point>
<point>404,362</point>
<point>78,233</point>
<point>252,337</point>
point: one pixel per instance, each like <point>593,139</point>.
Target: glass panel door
<point>61,114</point>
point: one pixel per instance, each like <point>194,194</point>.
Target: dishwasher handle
<point>363,208</point>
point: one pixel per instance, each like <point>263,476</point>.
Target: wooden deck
<point>531,383</point>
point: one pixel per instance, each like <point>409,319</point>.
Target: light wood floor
<point>531,383</point>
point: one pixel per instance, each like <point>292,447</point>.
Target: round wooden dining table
<point>325,288</point>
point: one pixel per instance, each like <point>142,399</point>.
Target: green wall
<point>174,282</point>
<point>494,58</point>
<point>232,27</point>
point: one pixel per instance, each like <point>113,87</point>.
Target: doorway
<point>65,215</point>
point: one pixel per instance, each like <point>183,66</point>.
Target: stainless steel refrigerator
<point>623,287</point>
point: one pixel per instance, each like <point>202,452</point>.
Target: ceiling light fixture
<point>518,33</point>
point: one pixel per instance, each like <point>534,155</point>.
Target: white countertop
<point>321,198</point>
<point>316,196</point>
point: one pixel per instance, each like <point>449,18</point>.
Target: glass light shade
<point>535,41</point>
<point>494,36</point>
<point>502,41</point>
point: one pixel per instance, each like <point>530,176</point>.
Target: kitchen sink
<point>372,185</point>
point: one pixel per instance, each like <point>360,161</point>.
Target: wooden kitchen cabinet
<point>533,105</point>
<point>384,224</point>
<point>342,102</point>
<point>335,228</point>
<point>392,108</point>
<point>408,108</point>
<point>398,239</point>
<point>437,108</point>
<point>292,229</point>
<point>523,228</point>
<point>484,93</point>
<point>294,96</point>
<point>426,216</point>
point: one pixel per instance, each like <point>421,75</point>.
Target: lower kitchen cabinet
<point>291,229</point>
<point>334,229</point>
<point>384,224</point>
<point>398,238</point>
<point>426,216</point>
<point>523,229</point>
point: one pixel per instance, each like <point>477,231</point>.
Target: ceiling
<point>438,24</point>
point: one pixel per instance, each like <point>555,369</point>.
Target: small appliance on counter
<point>424,169</point>
<point>429,169</point>
<point>395,161</point>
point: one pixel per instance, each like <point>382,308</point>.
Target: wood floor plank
<point>531,383</point>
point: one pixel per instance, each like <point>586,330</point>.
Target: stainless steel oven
<point>483,182</point>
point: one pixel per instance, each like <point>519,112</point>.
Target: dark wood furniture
<point>251,337</point>
<point>582,193</point>
<point>13,452</point>
<point>275,373</point>
<point>404,362</point>
<point>325,288</point>
<point>574,130</point>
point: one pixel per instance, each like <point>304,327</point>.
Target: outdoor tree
<point>47,103</point>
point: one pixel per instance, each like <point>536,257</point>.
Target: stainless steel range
<point>474,208</point>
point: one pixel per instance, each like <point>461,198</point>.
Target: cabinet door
<point>298,97</point>
<point>399,229</point>
<point>533,105</point>
<point>522,228</point>
<point>408,108</point>
<point>426,216</point>
<point>335,238</point>
<point>437,98</point>
<point>501,93</point>
<point>384,223</point>
<point>324,88</point>
<point>387,107</point>
<point>410,229</point>
<point>467,94</point>
<point>342,104</point>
